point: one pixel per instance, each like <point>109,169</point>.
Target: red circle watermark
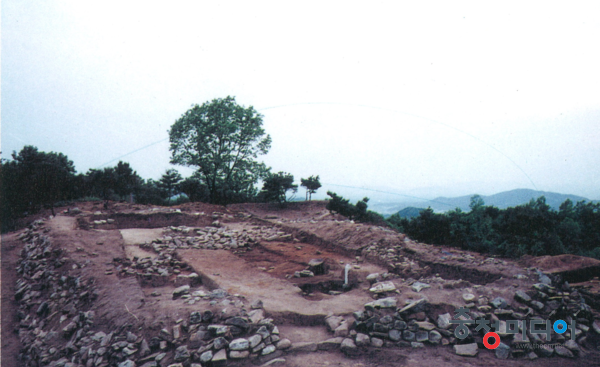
<point>488,335</point>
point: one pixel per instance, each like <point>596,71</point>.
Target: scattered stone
<point>206,357</point>
<point>443,321</point>
<point>362,340</point>
<point>394,335</point>
<point>468,297</point>
<point>333,322</point>
<point>178,292</point>
<point>256,304</point>
<point>268,350</point>
<point>239,354</point>
<point>522,297</point>
<point>239,344</point>
<point>563,352</point>
<point>330,344</point>
<point>418,286</point>
<point>376,342</point>
<point>499,302</point>
<point>389,302</point>
<point>413,306</point>
<point>341,330</point>
<point>435,337</point>
<point>502,351</point>
<point>284,344</point>
<point>417,345</point>
<point>349,348</point>
<point>219,359</point>
<point>383,287</point>
<point>468,350</point>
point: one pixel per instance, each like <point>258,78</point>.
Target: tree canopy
<point>276,186</point>
<point>222,140</point>
<point>312,184</point>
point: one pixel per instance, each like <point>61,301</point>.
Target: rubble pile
<point>383,323</point>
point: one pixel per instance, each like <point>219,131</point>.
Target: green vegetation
<point>222,140</point>
<point>276,186</point>
<point>533,228</point>
<point>312,184</point>
<point>358,212</point>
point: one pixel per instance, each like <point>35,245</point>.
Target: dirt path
<point>282,300</point>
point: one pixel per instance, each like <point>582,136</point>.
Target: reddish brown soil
<point>265,273</point>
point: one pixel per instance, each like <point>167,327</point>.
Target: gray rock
<point>544,350</point>
<point>284,344</point>
<point>220,343</point>
<point>144,348</point>
<point>305,347</point>
<point>254,340</point>
<point>220,358</point>
<point>413,306</point>
<point>522,297</point>
<point>435,337</point>
<point>502,351</point>
<point>376,342</point>
<point>258,304</point>
<point>538,306</point>
<point>468,297</point>
<point>572,345</point>
<point>206,357</point>
<point>383,287</point>
<point>239,354</point>
<point>333,322</point>
<point>563,352</point>
<point>263,332</point>
<point>394,335</point>
<point>425,325</point>
<point>532,355</point>
<point>400,325</point>
<point>499,302</point>
<point>349,348</point>
<point>408,335</point>
<point>127,363</point>
<point>362,340</point>
<point>239,344</point>
<point>268,350</point>
<point>341,330</point>
<point>469,350</point>
<point>389,302</point>
<point>421,336</point>
<point>182,354</point>
<point>443,321</point>
<point>596,326</point>
<point>418,286</point>
<point>178,292</point>
<point>417,345</point>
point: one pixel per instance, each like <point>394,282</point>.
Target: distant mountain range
<point>501,200</point>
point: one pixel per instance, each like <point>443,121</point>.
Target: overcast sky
<point>427,99</point>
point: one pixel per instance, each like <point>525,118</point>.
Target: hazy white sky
<point>434,98</point>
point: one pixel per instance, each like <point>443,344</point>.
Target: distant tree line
<point>533,228</point>
<point>33,180</point>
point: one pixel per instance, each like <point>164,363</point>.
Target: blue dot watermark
<point>560,326</point>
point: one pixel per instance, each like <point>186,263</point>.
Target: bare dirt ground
<point>255,252</point>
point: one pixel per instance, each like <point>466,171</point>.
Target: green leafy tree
<point>102,182</point>
<point>312,184</point>
<point>276,186</point>
<point>37,179</point>
<point>194,189</point>
<point>222,140</point>
<point>126,179</point>
<point>169,183</point>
